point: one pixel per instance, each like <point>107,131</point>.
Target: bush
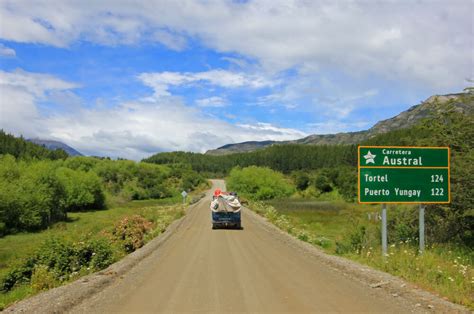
<point>301,179</point>
<point>346,182</point>
<point>322,183</point>
<point>83,189</point>
<point>58,260</point>
<point>30,195</point>
<point>259,183</point>
<point>131,231</point>
<point>42,279</point>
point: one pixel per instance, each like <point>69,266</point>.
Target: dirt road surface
<point>203,270</point>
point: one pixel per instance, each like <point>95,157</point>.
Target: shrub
<point>42,279</point>
<point>57,260</point>
<point>131,232</point>
<point>30,195</point>
<point>346,182</point>
<point>322,183</point>
<point>83,189</point>
<point>259,183</point>
<point>301,179</point>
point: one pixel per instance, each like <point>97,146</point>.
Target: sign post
<point>403,175</point>
<point>184,194</point>
<point>384,229</point>
<point>422,228</point>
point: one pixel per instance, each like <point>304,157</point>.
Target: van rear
<point>225,211</point>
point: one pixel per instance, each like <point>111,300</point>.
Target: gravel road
<point>249,270</point>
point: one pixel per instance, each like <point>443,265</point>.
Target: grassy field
<point>15,248</point>
<point>335,227</point>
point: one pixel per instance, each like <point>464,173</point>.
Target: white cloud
<point>134,129</point>
<point>336,126</point>
<point>34,83</point>
<point>424,42</point>
<point>6,51</point>
<point>20,92</point>
<point>271,129</point>
<point>161,81</point>
<point>172,41</point>
<point>214,101</point>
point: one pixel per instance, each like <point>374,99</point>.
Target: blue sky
<point>125,79</point>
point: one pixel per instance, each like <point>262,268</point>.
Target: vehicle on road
<point>225,210</point>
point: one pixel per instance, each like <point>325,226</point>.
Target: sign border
<point>385,167</point>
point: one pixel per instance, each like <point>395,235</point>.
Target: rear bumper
<point>226,218</point>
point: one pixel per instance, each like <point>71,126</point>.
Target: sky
<point>132,78</point>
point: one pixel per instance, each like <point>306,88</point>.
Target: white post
<point>422,228</point>
<point>384,229</point>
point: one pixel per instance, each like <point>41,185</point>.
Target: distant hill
<point>241,147</point>
<point>461,102</point>
<point>53,145</point>
<point>23,149</point>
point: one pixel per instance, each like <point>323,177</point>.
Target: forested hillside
<point>284,158</point>
<point>460,102</point>
<point>19,147</point>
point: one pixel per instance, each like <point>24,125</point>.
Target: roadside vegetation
<point>63,217</point>
<point>37,193</point>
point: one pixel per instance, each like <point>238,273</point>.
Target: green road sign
<point>403,174</point>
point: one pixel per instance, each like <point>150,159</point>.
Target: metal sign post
<point>184,194</point>
<point>384,229</point>
<point>422,228</point>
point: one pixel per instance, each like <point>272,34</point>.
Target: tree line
<point>283,158</point>
<point>21,148</point>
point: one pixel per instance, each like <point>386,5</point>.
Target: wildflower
<point>450,279</point>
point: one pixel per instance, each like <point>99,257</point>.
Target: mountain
<point>461,102</point>
<point>52,145</point>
